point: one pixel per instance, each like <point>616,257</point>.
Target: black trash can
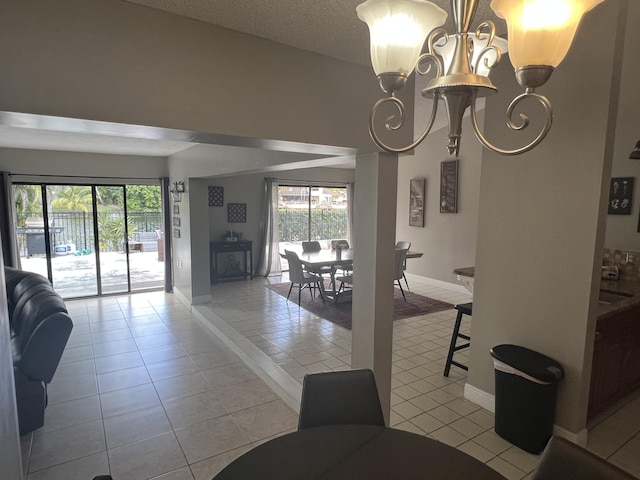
<point>526,390</point>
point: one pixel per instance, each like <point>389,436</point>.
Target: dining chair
<point>312,247</point>
<point>297,276</point>
<point>342,245</point>
<point>401,256</point>
<point>562,460</point>
<point>337,398</point>
<point>401,246</point>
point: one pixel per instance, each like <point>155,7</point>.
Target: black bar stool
<point>463,309</point>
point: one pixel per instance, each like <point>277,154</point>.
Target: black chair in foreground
<point>563,460</point>
<point>338,398</point>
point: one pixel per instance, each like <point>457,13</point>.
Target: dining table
<point>355,452</point>
<point>314,261</point>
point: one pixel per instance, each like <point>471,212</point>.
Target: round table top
<point>353,452</point>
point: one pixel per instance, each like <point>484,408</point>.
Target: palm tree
<point>73,198</point>
<point>28,199</point>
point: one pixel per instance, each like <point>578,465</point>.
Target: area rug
<point>340,313</point>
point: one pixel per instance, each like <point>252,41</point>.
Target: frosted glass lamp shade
<point>541,31</point>
<point>397,30</point>
<point>479,43</point>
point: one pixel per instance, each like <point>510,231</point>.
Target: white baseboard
<point>181,296</point>
<point>480,397</point>
<point>488,402</point>
<point>199,300</point>
<point>456,287</point>
<point>579,438</point>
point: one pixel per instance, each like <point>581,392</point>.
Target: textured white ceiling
<point>328,27</point>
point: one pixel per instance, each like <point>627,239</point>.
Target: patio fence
<point>325,224</point>
<point>77,227</point>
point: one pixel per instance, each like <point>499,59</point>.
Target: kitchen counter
<point>465,276</point>
<point>465,271</point>
<point>619,287</point>
<point>630,288</point>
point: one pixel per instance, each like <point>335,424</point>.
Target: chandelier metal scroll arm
<point>398,103</point>
<point>525,123</point>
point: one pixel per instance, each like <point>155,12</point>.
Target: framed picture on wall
<point>176,209</point>
<point>237,213</point>
<point>416,202</point>
<point>620,194</point>
<point>449,186</point>
<point>216,196</point>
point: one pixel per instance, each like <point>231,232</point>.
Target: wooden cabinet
<point>229,267</point>
<point>616,359</point>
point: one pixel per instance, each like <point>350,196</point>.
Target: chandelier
<point>540,33</point>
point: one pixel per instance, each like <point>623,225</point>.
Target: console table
<point>231,267</point>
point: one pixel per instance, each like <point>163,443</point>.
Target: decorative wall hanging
<point>237,213</point>
<point>176,233</point>
<point>176,221</point>
<point>216,196</point>
<point>449,186</point>
<point>176,209</point>
<point>416,202</point>
<point>635,153</point>
<point>620,193</point>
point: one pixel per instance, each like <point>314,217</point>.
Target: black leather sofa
<point>40,328</point>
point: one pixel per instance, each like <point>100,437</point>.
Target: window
<point>311,212</point>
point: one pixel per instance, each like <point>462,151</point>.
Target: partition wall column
<point>373,268</point>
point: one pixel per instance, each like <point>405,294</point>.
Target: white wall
<point>622,230</point>
<point>447,240</point>
<point>81,166</point>
<point>541,224</point>
<point>120,62</point>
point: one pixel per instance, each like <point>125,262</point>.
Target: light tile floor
<point>147,389</point>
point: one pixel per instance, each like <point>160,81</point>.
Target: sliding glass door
<point>91,239</point>
<point>312,213</point>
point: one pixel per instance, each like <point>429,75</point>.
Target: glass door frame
<point>49,249</point>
